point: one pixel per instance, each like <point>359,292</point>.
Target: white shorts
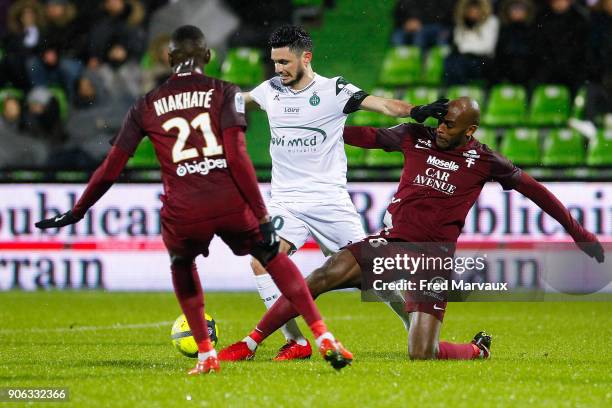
<point>332,225</point>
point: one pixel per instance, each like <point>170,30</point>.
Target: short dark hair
<point>188,42</point>
<point>296,38</point>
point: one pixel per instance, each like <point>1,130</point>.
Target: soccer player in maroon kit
<point>197,124</point>
<point>444,171</point>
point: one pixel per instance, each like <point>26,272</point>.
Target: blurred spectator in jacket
<point>156,67</point>
<point>514,59</point>
<point>42,118</point>
<point>599,90</point>
<point>25,25</point>
<point>120,70</point>
<point>258,20</point>
<point>121,20</point>
<point>561,39</point>
<point>422,23</point>
<point>473,43</point>
<point>18,149</point>
<point>97,116</point>
<point>57,62</point>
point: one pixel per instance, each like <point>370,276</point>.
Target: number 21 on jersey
<point>201,123</point>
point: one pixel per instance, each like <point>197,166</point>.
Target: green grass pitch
<point>113,349</point>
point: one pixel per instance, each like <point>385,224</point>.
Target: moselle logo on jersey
<point>442,164</point>
<point>203,167</point>
<point>299,144</point>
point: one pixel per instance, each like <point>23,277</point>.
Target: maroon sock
<point>190,295</point>
<point>280,313</point>
<point>290,282</point>
<point>456,351</point>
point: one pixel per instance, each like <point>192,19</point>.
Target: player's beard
<point>299,74</point>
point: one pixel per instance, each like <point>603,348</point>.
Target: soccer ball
<point>184,341</point>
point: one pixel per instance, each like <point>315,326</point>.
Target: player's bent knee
<point>265,254</point>
<point>180,261</point>
<point>422,351</point>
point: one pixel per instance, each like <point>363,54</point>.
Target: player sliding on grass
<point>196,124</point>
<point>430,205</point>
<point>306,113</point>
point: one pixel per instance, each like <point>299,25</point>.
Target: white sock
<point>251,344</point>
<point>269,294</point>
<point>204,356</point>
<point>326,335</point>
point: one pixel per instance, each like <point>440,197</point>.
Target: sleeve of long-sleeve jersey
<point>102,179</point>
<point>242,170</point>
<point>547,201</point>
<point>388,139</point>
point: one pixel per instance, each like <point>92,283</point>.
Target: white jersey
<point>306,146</point>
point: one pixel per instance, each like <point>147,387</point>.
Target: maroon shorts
<point>374,246</point>
<point>240,231</point>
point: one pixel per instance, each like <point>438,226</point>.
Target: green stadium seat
<point>401,66</point>
<point>307,3</point>
<point>434,65</point>
<point>579,104</point>
<point>521,146</point>
<point>474,92</point>
<point>367,118</point>
<point>59,94</point>
<point>507,106</point>
<point>356,156</point>
<point>258,138</point>
<point>380,158</point>
<point>213,68</point>
<point>146,62</point>
<point>600,149</point>
<point>550,105</point>
<point>144,156</point>
<point>487,136</point>
<point>563,147</point>
<point>243,66</point>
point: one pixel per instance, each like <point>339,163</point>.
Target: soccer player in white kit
<point>306,114</point>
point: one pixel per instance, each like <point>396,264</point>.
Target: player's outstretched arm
<point>102,179</point>
<point>361,136</point>
<point>389,107</point>
<point>547,201</point>
<point>401,109</point>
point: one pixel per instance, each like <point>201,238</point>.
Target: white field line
<point>117,326</point>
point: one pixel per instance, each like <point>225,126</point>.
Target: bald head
<point>459,124</point>
<point>467,109</point>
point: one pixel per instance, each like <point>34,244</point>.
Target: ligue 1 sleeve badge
<point>314,99</point>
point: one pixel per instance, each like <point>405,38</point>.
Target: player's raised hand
<point>590,245</point>
<point>437,110</point>
<point>61,220</point>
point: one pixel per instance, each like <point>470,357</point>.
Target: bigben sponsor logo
<point>203,167</point>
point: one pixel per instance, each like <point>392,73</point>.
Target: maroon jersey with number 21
<point>185,118</point>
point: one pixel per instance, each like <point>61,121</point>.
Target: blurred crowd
<point>524,42</point>
<point>69,70</point>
